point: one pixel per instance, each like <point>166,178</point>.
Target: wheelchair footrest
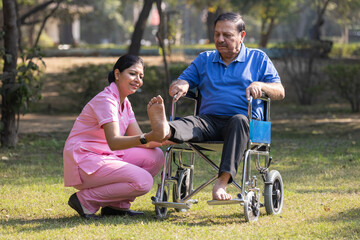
<point>172,205</point>
<point>226,202</point>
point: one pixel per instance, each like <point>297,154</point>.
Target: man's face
<point>227,39</point>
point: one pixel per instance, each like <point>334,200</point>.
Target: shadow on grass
<point>207,220</point>
<point>186,219</point>
<point>73,221</point>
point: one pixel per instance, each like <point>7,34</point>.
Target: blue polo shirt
<point>223,88</point>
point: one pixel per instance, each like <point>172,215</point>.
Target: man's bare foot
<point>158,122</point>
<point>219,190</point>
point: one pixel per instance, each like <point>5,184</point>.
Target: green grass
<point>319,163</point>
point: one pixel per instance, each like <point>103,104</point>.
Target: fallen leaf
<point>327,209</point>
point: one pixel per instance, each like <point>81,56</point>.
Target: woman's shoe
<point>76,205</point>
<point>108,211</point>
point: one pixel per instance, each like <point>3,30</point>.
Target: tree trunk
<point>345,34</point>
<point>160,36</point>
<point>8,110</point>
<point>139,28</point>
<point>210,26</point>
<point>315,35</point>
<point>210,23</point>
<point>265,33</point>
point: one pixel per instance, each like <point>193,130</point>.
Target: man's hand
<point>275,91</point>
<point>178,88</point>
<point>254,90</point>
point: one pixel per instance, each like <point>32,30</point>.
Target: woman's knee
<point>154,157</point>
<point>144,183</point>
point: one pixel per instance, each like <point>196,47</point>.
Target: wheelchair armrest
<point>192,94</point>
<point>266,100</point>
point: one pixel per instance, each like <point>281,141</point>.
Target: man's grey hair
<point>233,17</point>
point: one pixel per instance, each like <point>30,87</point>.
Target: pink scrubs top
<point>86,147</point>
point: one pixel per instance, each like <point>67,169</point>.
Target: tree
<point>19,83</point>
<point>346,12</point>
<point>320,6</point>
<point>269,12</point>
<point>8,111</point>
<point>140,28</point>
<point>214,9</point>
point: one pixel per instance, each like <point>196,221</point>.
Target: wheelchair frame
<point>183,191</point>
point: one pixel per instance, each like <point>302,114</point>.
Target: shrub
<point>302,62</point>
<point>351,50</point>
<point>84,82</point>
<point>345,80</point>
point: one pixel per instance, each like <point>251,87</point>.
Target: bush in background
<point>82,83</point>
<point>345,80</point>
<point>303,64</point>
<point>351,50</point>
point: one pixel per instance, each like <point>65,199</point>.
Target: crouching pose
<point>106,155</point>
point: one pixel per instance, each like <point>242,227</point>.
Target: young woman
<point>106,156</point>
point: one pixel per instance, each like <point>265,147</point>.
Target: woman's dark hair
<point>123,63</point>
<point>233,17</point>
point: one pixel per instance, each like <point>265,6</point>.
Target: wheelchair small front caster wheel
<point>273,193</point>
<point>182,188</point>
<point>251,207</point>
<point>161,212</point>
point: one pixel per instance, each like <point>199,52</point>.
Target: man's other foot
<point>219,190</point>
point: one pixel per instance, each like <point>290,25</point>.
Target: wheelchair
<point>178,171</point>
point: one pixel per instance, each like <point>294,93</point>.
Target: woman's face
<point>129,80</point>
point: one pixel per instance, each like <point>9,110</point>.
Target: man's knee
<point>239,119</point>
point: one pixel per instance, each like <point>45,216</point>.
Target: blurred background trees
<point>84,22</point>
<point>304,35</point>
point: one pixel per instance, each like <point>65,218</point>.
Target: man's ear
<point>242,34</point>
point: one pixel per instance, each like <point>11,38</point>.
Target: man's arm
<point>275,91</point>
<point>179,88</point>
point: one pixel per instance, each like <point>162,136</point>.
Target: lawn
<point>318,156</point>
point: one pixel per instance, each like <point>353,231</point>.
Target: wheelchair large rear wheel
<point>251,207</point>
<point>182,188</point>
<point>273,193</point>
<point>161,212</point>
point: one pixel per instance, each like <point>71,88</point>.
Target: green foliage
<point>27,86</point>
<point>302,62</point>
<point>345,80</point>
<point>84,82</point>
<point>176,69</point>
<point>306,48</point>
<point>340,50</point>
<point>28,78</point>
